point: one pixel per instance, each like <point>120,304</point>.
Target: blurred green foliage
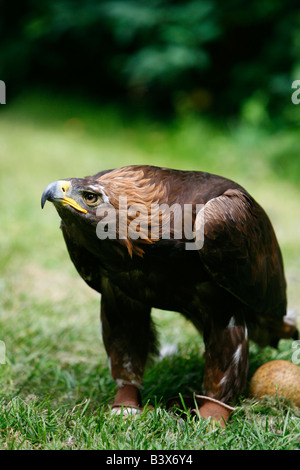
<point>210,57</point>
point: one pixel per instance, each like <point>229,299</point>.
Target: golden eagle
<point>185,241</point>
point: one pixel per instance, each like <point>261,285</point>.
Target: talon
<point>127,396</point>
<point>204,407</point>
<point>125,411</point>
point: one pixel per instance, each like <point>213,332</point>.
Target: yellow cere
<point>67,200</point>
<point>65,186</point>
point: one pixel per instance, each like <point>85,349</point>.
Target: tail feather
<point>290,325</point>
<point>286,330</point>
<point>267,331</point>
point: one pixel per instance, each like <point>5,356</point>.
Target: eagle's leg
<point>226,361</point>
<point>129,338</point>
<point>226,367</point>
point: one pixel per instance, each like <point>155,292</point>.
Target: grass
<point>55,385</point>
<point>37,424</point>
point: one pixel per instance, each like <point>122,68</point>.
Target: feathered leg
<point>220,318</point>
<point>226,356</point>
<point>129,338</point>
<point>225,371</point>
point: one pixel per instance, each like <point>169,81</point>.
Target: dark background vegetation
<point>213,57</point>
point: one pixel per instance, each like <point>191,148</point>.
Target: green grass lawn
<point>55,386</point>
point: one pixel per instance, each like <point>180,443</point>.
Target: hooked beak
<point>56,192</point>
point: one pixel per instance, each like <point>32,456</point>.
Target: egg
<point>277,377</point>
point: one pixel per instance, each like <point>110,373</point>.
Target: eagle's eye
<point>91,199</point>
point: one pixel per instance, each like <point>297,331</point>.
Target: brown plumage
<point>231,287</point>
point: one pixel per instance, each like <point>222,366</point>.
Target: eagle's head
<point>82,204</point>
<point>90,206</point>
<point>79,195</point>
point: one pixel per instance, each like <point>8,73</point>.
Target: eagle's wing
<point>241,252</point>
